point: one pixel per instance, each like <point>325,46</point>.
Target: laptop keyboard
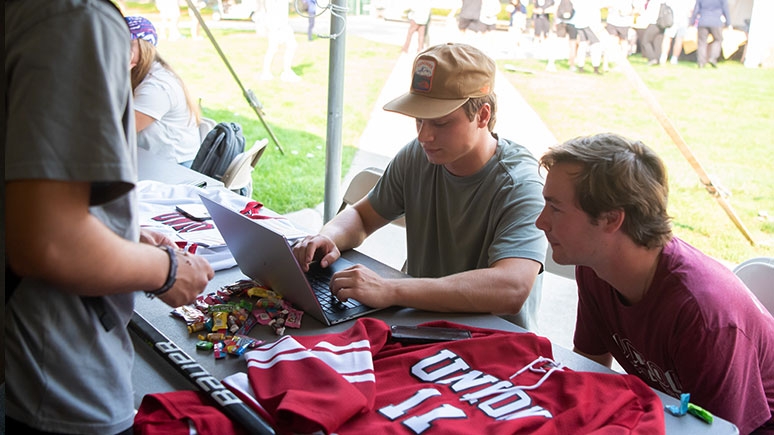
<point>319,280</point>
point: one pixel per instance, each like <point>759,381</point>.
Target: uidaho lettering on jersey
<point>498,399</point>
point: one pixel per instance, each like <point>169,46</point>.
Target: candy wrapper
<point>239,344</point>
<point>223,321</point>
<point>190,314</point>
<point>220,321</point>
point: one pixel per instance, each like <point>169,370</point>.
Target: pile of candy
<point>224,326</point>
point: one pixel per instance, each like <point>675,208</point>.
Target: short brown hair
<point>472,106</point>
<point>619,173</point>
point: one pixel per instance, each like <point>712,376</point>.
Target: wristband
<point>171,275</point>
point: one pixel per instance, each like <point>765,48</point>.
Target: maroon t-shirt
<point>698,330</point>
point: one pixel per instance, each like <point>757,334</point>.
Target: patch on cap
<point>423,75</point>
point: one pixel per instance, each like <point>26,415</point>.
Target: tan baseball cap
<point>444,78</point>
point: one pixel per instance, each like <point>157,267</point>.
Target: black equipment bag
<point>219,148</point>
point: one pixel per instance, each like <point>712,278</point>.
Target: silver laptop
<point>266,256</point>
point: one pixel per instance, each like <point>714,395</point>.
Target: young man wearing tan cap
<point>470,200</point>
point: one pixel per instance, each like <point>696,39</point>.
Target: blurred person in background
<point>673,36</point>
<point>419,18</point>
<point>710,16</point>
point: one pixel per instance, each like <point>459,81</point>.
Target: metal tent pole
<point>678,140</point>
<point>335,108</point>
<point>248,93</point>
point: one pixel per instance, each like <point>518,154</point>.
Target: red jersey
<point>495,382</point>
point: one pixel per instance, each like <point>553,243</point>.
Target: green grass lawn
<point>725,116</point>
<point>295,112</point>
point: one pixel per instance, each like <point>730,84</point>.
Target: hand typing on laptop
<point>313,248</point>
<point>364,285</point>
<point>357,282</point>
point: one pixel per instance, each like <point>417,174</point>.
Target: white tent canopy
<point>760,37</point>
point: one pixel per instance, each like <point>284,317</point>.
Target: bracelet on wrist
<point>171,275</point>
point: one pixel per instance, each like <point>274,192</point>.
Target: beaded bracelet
<point>171,276</point>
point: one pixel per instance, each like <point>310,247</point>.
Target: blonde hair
<point>147,54</point>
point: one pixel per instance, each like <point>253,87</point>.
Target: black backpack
<point>666,18</point>
<point>565,10</point>
<point>219,148</point>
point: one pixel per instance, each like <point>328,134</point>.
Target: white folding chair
<point>361,184</point>
<point>758,275</point>
<point>358,188</point>
<point>239,174</point>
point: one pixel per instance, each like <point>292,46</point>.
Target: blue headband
<point>142,28</point>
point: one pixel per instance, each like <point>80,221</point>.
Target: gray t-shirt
<point>71,121</point>
<point>455,224</point>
